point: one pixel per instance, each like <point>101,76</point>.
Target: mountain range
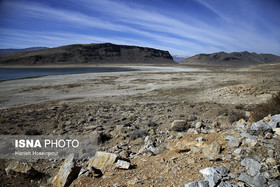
<point>107,53</point>
<point>232,59</point>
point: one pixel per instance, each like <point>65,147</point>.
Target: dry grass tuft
<point>272,107</point>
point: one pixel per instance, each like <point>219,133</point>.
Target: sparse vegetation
<point>235,116</point>
<point>272,106</point>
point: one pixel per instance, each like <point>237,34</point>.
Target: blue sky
<point>183,27</point>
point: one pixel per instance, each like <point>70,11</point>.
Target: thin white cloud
<point>216,11</point>
<point>135,25</point>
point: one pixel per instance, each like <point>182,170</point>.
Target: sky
<point>182,27</point>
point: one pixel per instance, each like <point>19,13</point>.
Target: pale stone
<point>252,166</point>
<point>277,131</point>
<point>211,151</point>
<point>122,164</point>
<point>271,161</point>
<point>67,173</point>
<point>232,141</point>
<point>102,160</point>
<point>183,146</point>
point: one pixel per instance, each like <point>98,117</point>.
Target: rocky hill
<point>90,54</point>
<point>232,59</point>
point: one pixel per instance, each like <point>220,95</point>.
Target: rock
<point>211,175</point>
<point>271,161</point>
<point>212,151</point>
<point>198,184</point>
<point>137,141</point>
<point>248,114</point>
<point>20,167</point>
<point>240,121</point>
<point>226,184</point>
<point>252,166</point>
<point>233,175</point>
<point>124,154</point>
<point>192,131</point>
<point>102,160</point>
<point>241,127</point>
<point>133,182</point>
<point>200,139</point>
<point>91,127</point>
<point>222,170</point>
<point>198,125</point>
<point>216,124</point>
<point>257,181</point>
<point>120,130</point>
<point>273,121</point>
<point>275,183</point>
<point>260,126</point>
<point>267,175</point>
<point>183,146</point>
<point>239,151</point>
<point>251,140</point>
<point>122,164</point>
<point>277,131</point>
<point>179,125</point>
<point>192,118</point>
<point>268,135</point>
<point>90,119</point>
<point>195,150</point>
<point>157,150</point>
<point>67,173</point>
<point>190,161</point>
<point>83,171</point>
<point>232,141</point>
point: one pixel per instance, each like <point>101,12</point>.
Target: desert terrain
<point>131,111</point>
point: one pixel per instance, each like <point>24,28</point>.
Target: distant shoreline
<point>26,72</point>
<point>83,65</point>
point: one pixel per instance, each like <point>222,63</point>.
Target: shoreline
<point>120,68</point>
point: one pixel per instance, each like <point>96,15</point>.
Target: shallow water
<point>19,73</point>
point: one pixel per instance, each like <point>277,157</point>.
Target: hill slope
<point>90,54</point>
<point>232,59</point>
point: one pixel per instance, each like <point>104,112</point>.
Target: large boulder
<point>179,125</point>
<point>212,151</point>
<point>183,146</point>
<point>253,167</point>
<point>211,175</point>
<point>257,181</point>
<point>67,173</point>
<point>232,141</point>
<point>102,161</point>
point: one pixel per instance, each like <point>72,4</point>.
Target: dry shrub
<point>237,115</point>
<point>272,106</point>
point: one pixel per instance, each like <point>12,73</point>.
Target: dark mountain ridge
<point>89,54</point>
<point>232,59</point>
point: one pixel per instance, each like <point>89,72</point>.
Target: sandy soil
<point>150,84</point>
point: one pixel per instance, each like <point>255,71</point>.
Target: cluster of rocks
<point>129,133</point>
<point>96,166</point>
<point>255,147</point>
